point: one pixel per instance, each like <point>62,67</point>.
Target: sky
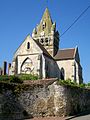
<point>19,17</point>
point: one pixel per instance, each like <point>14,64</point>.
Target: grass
<point>18,78</point>
<point>28,77</point>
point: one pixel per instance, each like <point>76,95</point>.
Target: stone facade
<point>70,70</point>
<point>40,54</point>
<point>42,98</point>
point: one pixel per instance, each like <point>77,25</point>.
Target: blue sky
<point>19,17</point>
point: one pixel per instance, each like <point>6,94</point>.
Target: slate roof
<point>65,54</point>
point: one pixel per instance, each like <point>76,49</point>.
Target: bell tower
<point>46,34</point>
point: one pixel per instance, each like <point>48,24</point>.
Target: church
<point>40,54</point>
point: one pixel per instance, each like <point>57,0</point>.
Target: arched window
<point>27,66</point>
<point>62,74</point>
<point>28,45</point>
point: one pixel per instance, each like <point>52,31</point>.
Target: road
<point>81,117</point>
<point>85,116</point>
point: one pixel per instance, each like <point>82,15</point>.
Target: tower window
<point>46,44</point>
<point>28,45</point>
<point>43,25</point>
<point>42,40</point>
<point>46,40</point>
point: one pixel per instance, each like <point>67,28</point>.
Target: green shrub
<point>4,78</point>
<point>18,78</point>
<point>70,83</point>
<point>82,85</point>
<point>15,79</point>
<point>88,84</point>
<point>28,77</point>
<point>67,82</point>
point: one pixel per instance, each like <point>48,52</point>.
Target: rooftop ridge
<point>66,48</point>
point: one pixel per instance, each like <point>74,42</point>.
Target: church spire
<point>45,33</point>
<point>46,16</point>
<point>45,26</point>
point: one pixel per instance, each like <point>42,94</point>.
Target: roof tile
<point>65,54</point>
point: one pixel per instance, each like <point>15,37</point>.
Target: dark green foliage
<point>67,82</point>
<point>4,78</point>
<point>18,78</point>
<point>82,85</point>
<point>15,79</point>
<point>88,84</point>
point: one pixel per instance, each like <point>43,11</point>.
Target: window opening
<point>43,25</point>
<point>42,40</point>
<point>62,74</point>
<point>28,45</point>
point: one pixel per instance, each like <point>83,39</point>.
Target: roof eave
<point>64,59</point>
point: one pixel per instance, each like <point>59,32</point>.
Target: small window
<point>46,40</point>
<point>43,25</point>
<point>42,40</point>
<point>62,74</point>
<point>28,45</point>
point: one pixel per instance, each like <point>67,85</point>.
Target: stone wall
<point>41,98</point>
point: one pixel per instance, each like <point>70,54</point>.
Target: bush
<point>28,77</point>
<point>88,84</point>
<point>70,83</point>
<point>82,85</point>
<point>18,78</point>
<point>15,79</point>
<point>67,82</point>
<point>4,78</point>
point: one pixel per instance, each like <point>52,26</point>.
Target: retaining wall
<point>42,98</point>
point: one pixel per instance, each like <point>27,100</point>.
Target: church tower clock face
<point>27,66</point>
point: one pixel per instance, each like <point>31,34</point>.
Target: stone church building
<point>40,54</point>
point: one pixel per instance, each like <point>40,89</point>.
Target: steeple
<point>46,33</point>
<point>47,15</point>
<point>46,20</point>
<point>45,24</point>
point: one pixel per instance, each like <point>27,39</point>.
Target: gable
<point>28,46</point>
